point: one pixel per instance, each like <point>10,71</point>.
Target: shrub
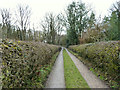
<point>22,62</point>
<point>103,56</point>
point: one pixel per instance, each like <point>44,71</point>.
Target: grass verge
<point>96,72</point>
<point>73,78</point>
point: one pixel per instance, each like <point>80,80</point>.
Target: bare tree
<point>60,25</point>
<point>23,18</point>
<point>6,22</point>
<point>52,27</point>
<point>49,28</point>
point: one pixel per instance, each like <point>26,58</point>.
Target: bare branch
<point>23,16</point>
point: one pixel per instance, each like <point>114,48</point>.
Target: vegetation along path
<point>56,77</point>
<point>91,79</point>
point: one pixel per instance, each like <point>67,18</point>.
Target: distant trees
<point>60,27</point>
<point>112,30</point>
<point>87,29</point>
<point>52,27</point>
<point>90,33</point>
<point>17,27</point>
<point>116,10</point>
<point>63,39</point>
<point>92,20</point>
<point>79,22</point>
<point>48,26</point>
<point>77,19</point>
<point>71,20</point>
<point>6,22</point>
<point>23,19</point>
<point>113,23</point>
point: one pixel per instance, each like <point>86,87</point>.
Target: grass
<point>73,78</point>
<point>88,64</point>
<point>95,71</point>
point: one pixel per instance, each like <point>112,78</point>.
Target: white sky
<point>41,7</point>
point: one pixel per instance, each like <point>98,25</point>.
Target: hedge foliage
<point>104,56</point>
<point>23,62</point>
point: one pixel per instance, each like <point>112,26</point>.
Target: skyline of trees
<point>79,22</point>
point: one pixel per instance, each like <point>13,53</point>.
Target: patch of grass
<point>73,77</point>
<point>100,76</point>
<point>91,69</point>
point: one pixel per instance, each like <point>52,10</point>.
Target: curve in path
<point>56,77</point>
<point>91,79</point>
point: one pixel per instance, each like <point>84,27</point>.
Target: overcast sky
<point>41,7</point>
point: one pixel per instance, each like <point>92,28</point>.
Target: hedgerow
<point>23,63</point>
<point>104,56</point>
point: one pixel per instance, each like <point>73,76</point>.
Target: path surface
<point>91,79</point>
<point>56,77</point>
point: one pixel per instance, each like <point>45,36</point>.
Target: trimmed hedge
<point>104,56</point>
<point>23,62</point>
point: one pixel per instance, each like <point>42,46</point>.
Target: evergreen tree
<point>77,19</point>
<point>113,28</point>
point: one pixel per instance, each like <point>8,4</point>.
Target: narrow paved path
<point>56,77</point>
<point>91,79</point>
